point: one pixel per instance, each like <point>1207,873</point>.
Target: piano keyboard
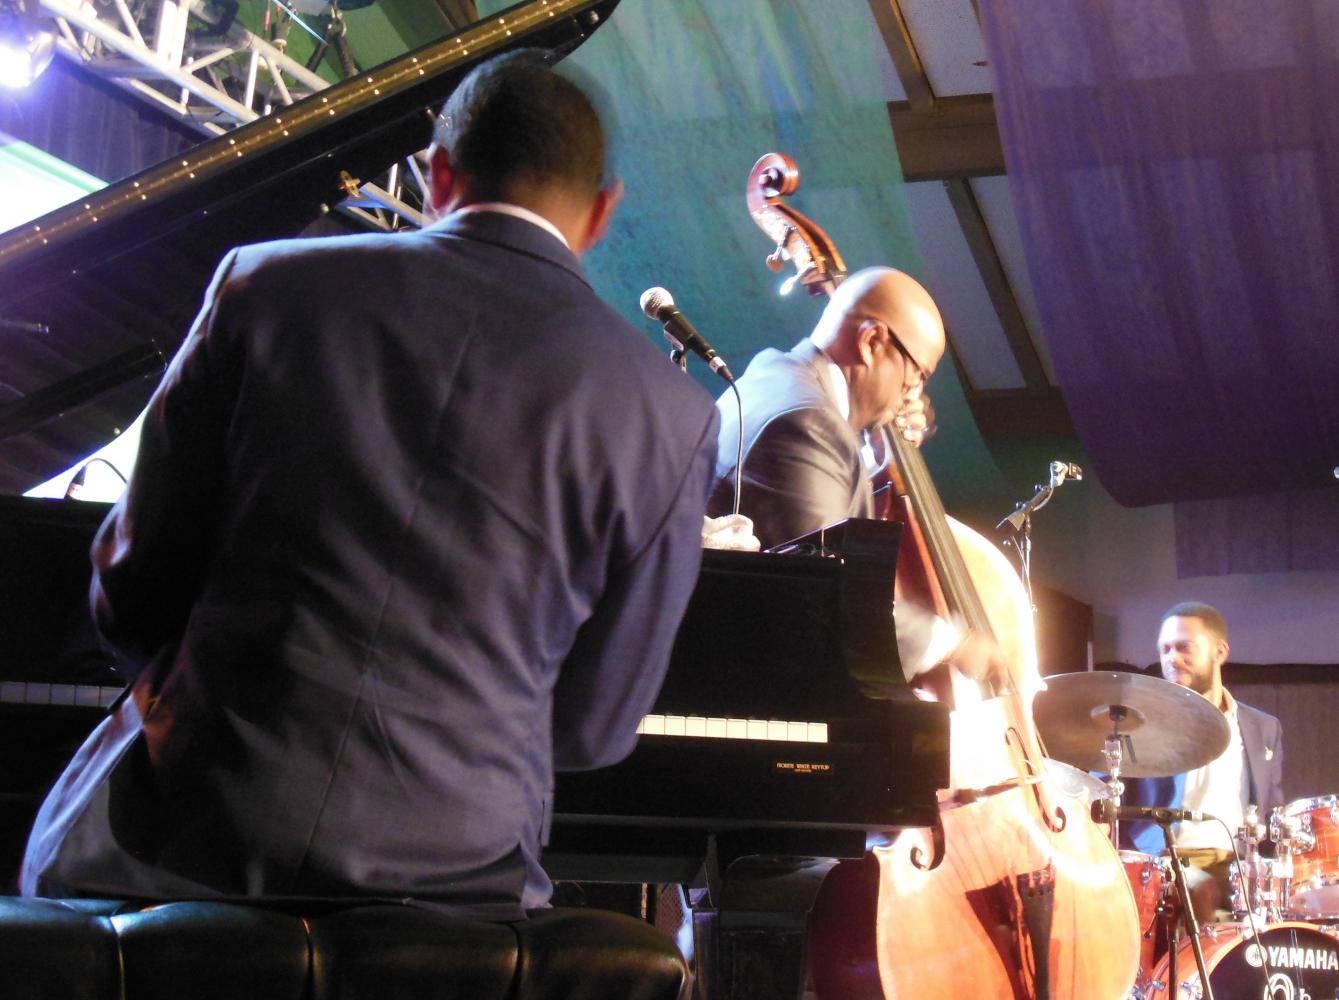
<point>775,730</point>
<point>734,729</point>
<point>39,693</point>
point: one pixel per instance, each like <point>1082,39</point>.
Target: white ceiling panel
<point>997,207</point>
<point>955,282</point>
<point>949,42</point>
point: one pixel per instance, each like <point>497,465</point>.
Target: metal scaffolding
<point>192,59</point>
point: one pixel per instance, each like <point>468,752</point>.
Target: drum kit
<point>1282,942</point>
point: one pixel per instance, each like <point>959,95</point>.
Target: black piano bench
<point>93,949</point>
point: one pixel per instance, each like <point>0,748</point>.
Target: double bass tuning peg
<point>802,274</point>
<point>776,260</point>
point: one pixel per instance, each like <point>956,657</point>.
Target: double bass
<point>1016,893</point>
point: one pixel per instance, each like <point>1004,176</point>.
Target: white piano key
<point>87,694</point>
<point>13,692</point>
<point>107,695</point>
<point>714,727</point>
<point>62,694</point>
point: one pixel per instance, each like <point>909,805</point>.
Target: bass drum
<point>1302,960</point>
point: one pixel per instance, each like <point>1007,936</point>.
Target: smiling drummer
<point>1192,648</point>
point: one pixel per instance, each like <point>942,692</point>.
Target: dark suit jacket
<point>413,522</point>
<point>802,464</point>
<point>1261,781</point>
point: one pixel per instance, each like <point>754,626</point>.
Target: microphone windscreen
<point>657,301</point>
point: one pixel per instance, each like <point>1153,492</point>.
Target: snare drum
<point>1303,962</point>
<point>1149,878</point>
<point>1312,836</point>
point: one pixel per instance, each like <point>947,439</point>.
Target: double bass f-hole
<point>1053,814</point>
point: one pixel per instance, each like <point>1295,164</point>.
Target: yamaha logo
<point>1280,987</point>
<point>1292,957</point>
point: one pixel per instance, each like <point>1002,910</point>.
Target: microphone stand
<point>1192,925</point>
<point>679,355</point>
<point>1020,521</point>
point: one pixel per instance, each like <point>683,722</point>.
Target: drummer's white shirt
<point>1215,789</point>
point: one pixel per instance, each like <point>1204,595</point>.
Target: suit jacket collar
<point>808,353</point>
<point>510,232</point>
<point>1253,740</point>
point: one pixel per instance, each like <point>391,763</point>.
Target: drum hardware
<point>1307,831</point>
<point>1149,728</point>
<point>1162,728</point>
<point>1188,910</point>
<point>1150,880</point>
<point>1113,750</point>
<point>1260,879</point>
<point>1148,985</point>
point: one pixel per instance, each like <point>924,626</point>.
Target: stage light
<point>27,43</point>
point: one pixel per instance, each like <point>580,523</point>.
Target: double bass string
<point>929,509</point>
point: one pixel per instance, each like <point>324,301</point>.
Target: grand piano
<point>782,734</point>
<point>781,742</point>
<point>782,729</point>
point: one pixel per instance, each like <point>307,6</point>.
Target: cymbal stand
<point>1187,910</point>
<point>1113,749</point>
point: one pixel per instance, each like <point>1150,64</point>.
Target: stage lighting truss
<point>191,58</point>
<point>27,42</point>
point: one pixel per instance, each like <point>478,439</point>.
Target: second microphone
<point>658,303</point>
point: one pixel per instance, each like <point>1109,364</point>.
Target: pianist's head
<point>518,131</point>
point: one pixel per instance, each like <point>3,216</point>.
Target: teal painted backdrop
<point>699,90</point>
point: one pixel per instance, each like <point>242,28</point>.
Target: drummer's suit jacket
<point>413,523</point>
<point>1261,781</point>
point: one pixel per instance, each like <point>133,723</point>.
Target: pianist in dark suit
<point>413,523</point>
<point>807,414</point>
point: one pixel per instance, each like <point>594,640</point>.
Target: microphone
<point>658,303</point>
<point>1105,812</point>
<point>1060,471</point>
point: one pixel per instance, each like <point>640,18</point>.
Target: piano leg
<point>750,933</point>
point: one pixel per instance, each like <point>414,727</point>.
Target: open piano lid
<point>119,275</point>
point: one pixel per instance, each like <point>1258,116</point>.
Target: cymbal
<point>1164,728</point>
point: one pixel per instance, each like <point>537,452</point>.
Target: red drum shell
<point>1303,959</point>
<point>1315,885</point>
